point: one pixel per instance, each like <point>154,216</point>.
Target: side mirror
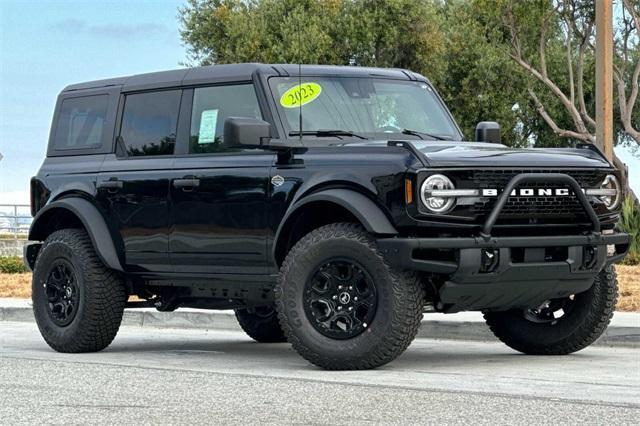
<point>488,131</point>
<point>248,132</point>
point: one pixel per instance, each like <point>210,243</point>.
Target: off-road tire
<point>400,300</point>
<point>260,326</point>
<point>102,293</point>
<point>586,322</point>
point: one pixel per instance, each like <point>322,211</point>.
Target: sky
<point>48,44</point>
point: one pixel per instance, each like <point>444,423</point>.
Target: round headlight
<point>611,201</point>
<point>436,204</point>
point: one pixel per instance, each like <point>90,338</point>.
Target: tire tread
<point>405,286</point>
<point>600,311</point>
<point>105,296</point>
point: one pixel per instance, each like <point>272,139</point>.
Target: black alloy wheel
<point>62,292</point>
<point>551,311</point>
<point>340,299</point>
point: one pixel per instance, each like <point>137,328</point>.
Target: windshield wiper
<point>421,134</point>
<point>325,133</point>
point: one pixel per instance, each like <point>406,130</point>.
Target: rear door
<point>219,194</point>
<point>133,184</point>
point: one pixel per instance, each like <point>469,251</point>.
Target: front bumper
<point>500,273</point>
<point>519,275</point>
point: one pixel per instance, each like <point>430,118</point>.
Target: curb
<point>614,335</point>
<point>624,330</point>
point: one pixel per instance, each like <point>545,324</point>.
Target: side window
<point>81,122</point>
<point>211,106</point>
<point>149,122</point>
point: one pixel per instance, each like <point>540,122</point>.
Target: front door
<point>219,194</point>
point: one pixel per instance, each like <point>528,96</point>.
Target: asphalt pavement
<point>182,376</point>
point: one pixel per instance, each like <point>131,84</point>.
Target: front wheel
<point>341,306</point>
<point>559,326</point>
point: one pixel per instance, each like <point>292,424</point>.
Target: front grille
<point>500,178</point>
<point>518,207</point>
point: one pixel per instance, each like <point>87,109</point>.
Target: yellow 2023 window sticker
<point>300,94</point>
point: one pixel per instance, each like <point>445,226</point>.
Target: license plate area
<point>539,254</point>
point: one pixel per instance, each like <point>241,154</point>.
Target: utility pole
<point>604,77</point>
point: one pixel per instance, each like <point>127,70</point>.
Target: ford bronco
<point>328,206</point>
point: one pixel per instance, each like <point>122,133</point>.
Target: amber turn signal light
<point>408,191</point>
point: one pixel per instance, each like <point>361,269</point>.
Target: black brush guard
<point>485,274</point>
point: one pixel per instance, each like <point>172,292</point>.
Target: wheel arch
<point>75,212</point>
<point>324,207</point>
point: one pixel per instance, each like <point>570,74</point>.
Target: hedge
<point>12,265</point>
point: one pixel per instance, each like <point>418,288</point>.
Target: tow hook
<point>590,257</point>
<point>489,260</point>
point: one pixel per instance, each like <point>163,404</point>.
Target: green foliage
<point>271,31</point>
<point>12,265</point>
<point>630,223</point>
<point>481,81</point>
<point>463,46</point>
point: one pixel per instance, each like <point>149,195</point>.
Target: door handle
<point>110,184</point>
<point>186,184</point>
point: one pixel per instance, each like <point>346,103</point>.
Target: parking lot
<point>168,376</point>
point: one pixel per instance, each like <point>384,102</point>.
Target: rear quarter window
<point>149,123</point>
<point>81,123</point>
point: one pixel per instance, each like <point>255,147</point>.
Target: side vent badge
<point>277,180</point>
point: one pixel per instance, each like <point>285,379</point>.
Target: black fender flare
<point>93,222</point>
<point>368,213</point>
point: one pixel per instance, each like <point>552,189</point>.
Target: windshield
<point>369,107</point>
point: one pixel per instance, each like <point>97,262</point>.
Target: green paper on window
<point>208,123</point>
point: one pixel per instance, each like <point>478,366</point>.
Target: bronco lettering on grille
<point>529,192</point>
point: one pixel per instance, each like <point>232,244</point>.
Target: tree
<point>272,31</point>
<point>413,34</point>
<point>481,82</point>
<point>314,31</point>
<point>540,29</point>
<point>628,53</point>
<point>528,64</point>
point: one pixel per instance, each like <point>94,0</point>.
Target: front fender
<point>92,221</point>
<point>362,208</point>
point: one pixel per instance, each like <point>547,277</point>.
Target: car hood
<point>479,154</point>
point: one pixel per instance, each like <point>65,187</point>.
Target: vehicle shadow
<point>242,351</point>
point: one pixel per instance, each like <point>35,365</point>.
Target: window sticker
<point>300,94</point>
<point>208,123</point>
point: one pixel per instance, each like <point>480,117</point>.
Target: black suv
<point>328,206</point>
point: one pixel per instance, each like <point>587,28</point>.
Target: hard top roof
<point>236,72</point>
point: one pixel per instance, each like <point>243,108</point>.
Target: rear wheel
<point>78,302</point>
<point>261,324</point>
<point>559,326</point>
<point>341,306</point>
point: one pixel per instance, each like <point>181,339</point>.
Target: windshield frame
<point>283,123</point>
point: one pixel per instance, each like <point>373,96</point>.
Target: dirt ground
<point>629,288</point>
<point>19,285</point>
<point>15,285</point>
